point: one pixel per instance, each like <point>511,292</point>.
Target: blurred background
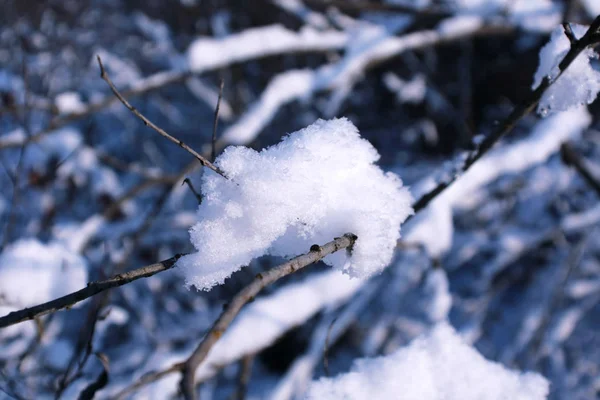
<point>88,191</point>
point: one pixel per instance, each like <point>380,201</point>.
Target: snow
<point>579,84</point>
<point>69,103</point>
<point>209,53</point>
<point>412,91</point>
<point>32,272</point>
<point>316,184</point>
<point>435,366</point>
<point>283,89</point>
<point>592,7</point>
<point>433,227</point>
<point>460,25</point>
<point>367,45</point>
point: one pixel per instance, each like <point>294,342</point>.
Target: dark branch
<point>147,122</point>
<point>572,158</point>
<point>247,294</point>
<point>93,288</point>
<point>213,153</point>
<point>591,37</point>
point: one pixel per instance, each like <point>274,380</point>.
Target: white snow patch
<point>316,184</point>
<point>592,7</point>
<point>579,84</point>
<point>460,25</point>
<point>435,366</point>
<point>69,103</point>
<point>209,53</point>
<point>32,273</point>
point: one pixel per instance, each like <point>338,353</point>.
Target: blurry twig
<point>244,377</point>
<point>147,379</point>
<point>572,158</point>
<point>100,382</point>
<point>213,153</point>
<point>147,122</point>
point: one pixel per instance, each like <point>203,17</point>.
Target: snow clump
<point>316,184</point>
<point>438,365</point>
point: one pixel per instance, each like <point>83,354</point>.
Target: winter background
<point>491,292</point>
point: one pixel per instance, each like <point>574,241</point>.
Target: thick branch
<point>247,294</point>
<point>590,38</point>
<point>92,289</point>
<point>205,162</point>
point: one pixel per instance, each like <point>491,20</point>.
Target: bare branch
<point>93,288</point>
<point>315,254</point>
<point>213,153</point>
<point>147,122</point>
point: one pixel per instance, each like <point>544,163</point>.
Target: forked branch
<point>203,160</point>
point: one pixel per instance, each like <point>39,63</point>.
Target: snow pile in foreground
<point>436,366</point>
<point>316,184</point>
<point>579,84</point>
<point>32,273</point>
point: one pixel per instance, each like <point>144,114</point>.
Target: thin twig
<point>147,122</point>
<point>326,348</point>
<point>571,157</point>
<point>147,379</point>
<point>591,37</point>
<point>262,280</point>
<point>16,194</point>
<point>90,290</point>
<point>213,153</point>
<point>187,181</point>
<point>244,377</point>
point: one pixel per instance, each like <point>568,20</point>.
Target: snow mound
<point>579,84</point>
<point>32,273</point>
<point>436,366</point>
<point>316,184</point>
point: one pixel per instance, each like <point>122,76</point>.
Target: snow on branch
<point>205,54</point>
<point>316,184</point>
<point>208,54</point>
<point>371,46</point>
<point>433,226</point>
<point>579,84</point>
<point>438,365</point>
<point>590,38</point>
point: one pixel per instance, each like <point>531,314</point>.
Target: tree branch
<point>93,288</point>
<point>205,162</point>
<point>591,37</point>
<point>262,280</point>
<point>213,153</point>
